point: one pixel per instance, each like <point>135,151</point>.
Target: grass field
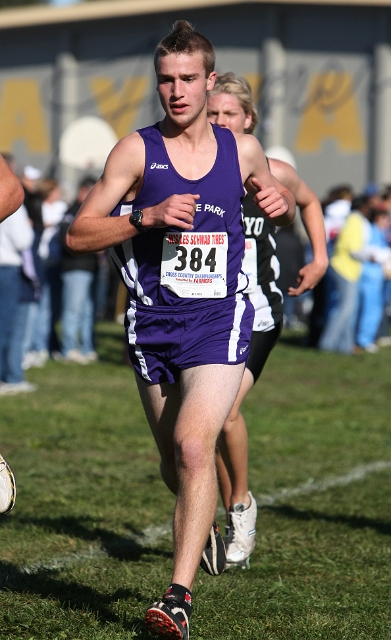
<point>88,545</point>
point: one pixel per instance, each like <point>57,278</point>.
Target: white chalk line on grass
<point>358,473</point>
<point>152,534</point>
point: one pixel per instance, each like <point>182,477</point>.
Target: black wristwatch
<point>136,218</point>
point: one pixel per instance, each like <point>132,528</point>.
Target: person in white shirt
<point>16,235</point>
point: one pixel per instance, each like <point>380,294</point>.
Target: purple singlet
<point>172,268</point>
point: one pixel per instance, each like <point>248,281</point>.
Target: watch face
<point>136,219</point>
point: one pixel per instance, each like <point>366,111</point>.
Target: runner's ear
<point>211,81</point>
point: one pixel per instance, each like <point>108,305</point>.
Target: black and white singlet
<point>262,268</point>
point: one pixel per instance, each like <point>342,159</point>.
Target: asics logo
<point>243,349</point>
<point>154,165</point>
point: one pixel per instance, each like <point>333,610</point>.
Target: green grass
<point>74,564</point>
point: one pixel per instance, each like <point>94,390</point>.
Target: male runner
<point>230,105</point>
<point>11,198</point>
<point>174,191</point>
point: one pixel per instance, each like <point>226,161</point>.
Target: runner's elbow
<point>72,243</point>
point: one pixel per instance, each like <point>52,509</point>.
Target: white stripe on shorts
<point>132,337</point>
<point>263,316</point>
<point>235,331</point>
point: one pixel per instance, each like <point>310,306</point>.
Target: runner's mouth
<point>178,107</point>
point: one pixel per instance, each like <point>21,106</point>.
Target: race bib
<point>250,264</point>
<point>194,265</point>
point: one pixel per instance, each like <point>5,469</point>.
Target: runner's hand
<point>269,200</point>
<point>175,211</point>
<point>308,278</point>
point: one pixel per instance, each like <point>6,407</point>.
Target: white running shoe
<point>7,487</point>
<point>12,388</point>
<point>240,533</point>
<point>74,355</point>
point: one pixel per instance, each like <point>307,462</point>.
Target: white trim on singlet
<point>127,281</point>
<point>132,339</point>
<point>240,308</point>
<point>242,282</point>
<point>132,265</point>
<point>275,265</point>
<point>275,289</point>
<point>272,241</point>
<point>263,316</point>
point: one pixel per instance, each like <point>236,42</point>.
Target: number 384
<point>195,261</point>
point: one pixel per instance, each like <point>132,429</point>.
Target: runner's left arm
<point>312,217</point>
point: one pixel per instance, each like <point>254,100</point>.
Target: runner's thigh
<point>208,393</point>
<point>161,404</point>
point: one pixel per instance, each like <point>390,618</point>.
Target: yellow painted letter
<point>22,116</point>
<point>119,109</point>
<point>332,112</point>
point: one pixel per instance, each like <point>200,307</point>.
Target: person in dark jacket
<point>78,274</point>
<point>290,254</point>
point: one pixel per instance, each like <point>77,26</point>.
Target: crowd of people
<point>49,297</point>
<point>199,225</point>
<point>351,304</point>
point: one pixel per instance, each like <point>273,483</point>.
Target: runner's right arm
<point>11,191</point>
<point>94,230</point>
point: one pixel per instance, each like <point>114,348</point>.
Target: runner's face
<point>182,86</point>
<point>225,110</point>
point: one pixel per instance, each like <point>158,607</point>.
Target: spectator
<point>339,332</point>
<point>383,336</point>
<point>45,340</point>
<point>336,208</point>
<point>375,198</point>
<point>78,274</point>
<point>32,199</point>
<point>16,236</point>
<point>372,281</point>
<point>290,254</point>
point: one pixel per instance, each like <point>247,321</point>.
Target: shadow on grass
<point>123,548</point>
<point>40,578</point>
<point>355,522</point>
<point>293,339</point>
<point>74,596</point>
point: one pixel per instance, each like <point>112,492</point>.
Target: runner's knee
<point>232,420</point>
<point>195,453</point>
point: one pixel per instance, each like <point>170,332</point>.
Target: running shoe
<point>7,487</point>
<point>240,533</point>
<point>166,618</point>
<point>213,556</point>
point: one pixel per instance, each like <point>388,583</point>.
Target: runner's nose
<point>221,120</point>
<point>177,89</point>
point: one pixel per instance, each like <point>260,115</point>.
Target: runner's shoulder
<point>249,149</point>
<point>285,174</point>
<point>246,143</point>
<point>128,154</point>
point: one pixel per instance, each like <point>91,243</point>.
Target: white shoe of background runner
<point>240,533</point>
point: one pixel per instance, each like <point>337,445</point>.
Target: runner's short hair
<point>183,38</point>
<point>239,87</point>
